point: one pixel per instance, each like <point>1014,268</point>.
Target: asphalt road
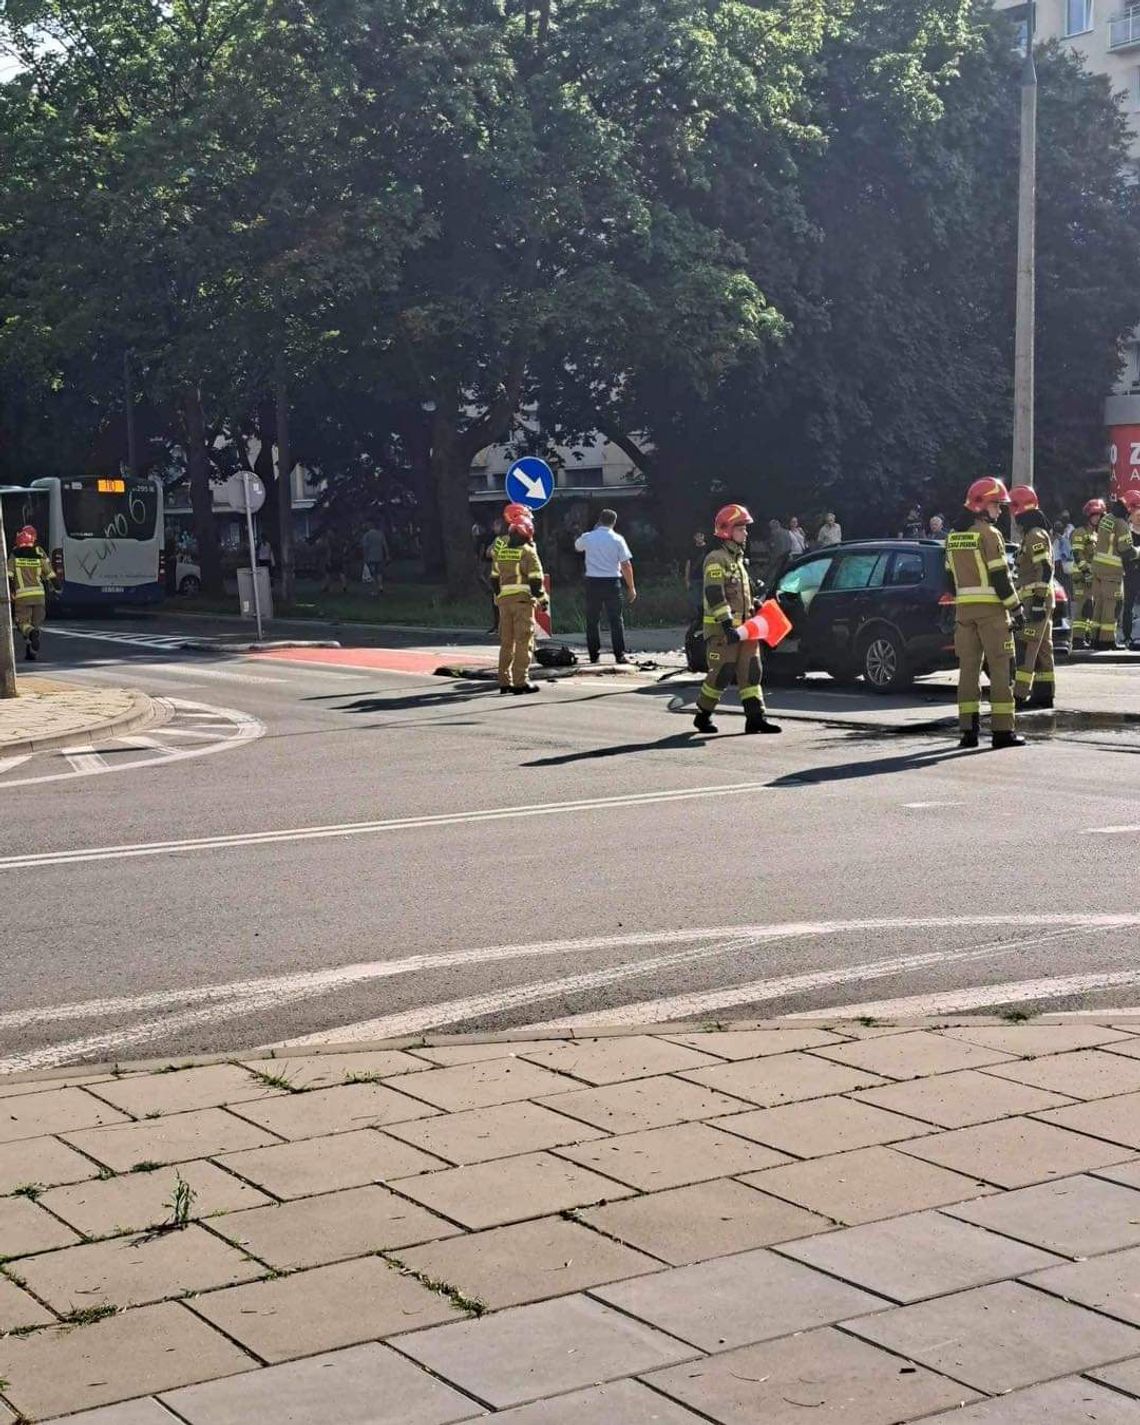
<point>384,852</point>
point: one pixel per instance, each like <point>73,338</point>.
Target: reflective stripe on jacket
<point>727,587</point>
<point>1036,550</point>
<point>1113,546</point>
<point>973,556</point>
<point>517,569</point>
<point>28,571</point>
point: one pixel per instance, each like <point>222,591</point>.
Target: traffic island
<point>49,713</point>
<point>867,1222</point>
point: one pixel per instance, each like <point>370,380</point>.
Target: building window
<point>585,477</point>
<point>1078,16</point>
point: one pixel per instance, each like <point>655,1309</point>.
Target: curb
<point>202,645</point>
<point>583,1034</point>
<point>143,712</point>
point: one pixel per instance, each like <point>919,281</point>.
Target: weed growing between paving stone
<point>868,1021</point>
<point>469,1305</point>
<point>174,1068</point>
<point>88,1315</point>
<point>29,1190</point>
<point>146,1166</point>
<point>275,1081</point>
<point>364,1079</point>
<point>180,1203</point>
<point>1017,1016</point>
<point>106,1174</point>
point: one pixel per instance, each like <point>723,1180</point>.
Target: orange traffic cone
<point>768,626</point>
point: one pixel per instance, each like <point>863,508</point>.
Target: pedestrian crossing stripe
<point>137,640</point>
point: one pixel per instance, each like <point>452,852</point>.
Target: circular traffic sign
<point>530,481</point>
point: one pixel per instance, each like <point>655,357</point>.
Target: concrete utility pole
<point>7,647</point>
<point>1025,325</point>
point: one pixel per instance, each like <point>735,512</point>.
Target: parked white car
<point>187,577</point>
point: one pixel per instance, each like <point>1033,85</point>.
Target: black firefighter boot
<point>1006,739</point>
<point>969,736</point>
<point>756,720</point>
<point>703,721</point>
<point>1041,697</point>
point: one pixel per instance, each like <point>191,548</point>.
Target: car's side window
<point>908,568</point>
<point>859,571</point>
<point>805,579</point>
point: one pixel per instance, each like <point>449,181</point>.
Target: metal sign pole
<point>252,552</point>
<point>7,646</point>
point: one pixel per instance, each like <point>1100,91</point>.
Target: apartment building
<point>1106,33</point>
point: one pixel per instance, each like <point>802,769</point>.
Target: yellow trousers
<point>982,635</point>
<point>516,639</point>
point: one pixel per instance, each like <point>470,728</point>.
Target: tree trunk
<point>284,494</point>
<point>449,468</point>
<point>201,500</point>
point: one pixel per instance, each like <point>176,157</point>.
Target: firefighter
<point>729,599</point>
<point>986,605</point>
<point>1034,684</point>
<point>1084,542</point>
<point>29,573</point>
<point>1113,550</point>
<point>518,585</point>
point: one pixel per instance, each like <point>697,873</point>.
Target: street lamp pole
<point>1025,322</point>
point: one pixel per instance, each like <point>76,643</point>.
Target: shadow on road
<point>413,702</point>
<point>622,749</point>
<point>883,766</point>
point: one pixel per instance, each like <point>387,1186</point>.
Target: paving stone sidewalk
<point>49,713</point>
<point>854,1223</point>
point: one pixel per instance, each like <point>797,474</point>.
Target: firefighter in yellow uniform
<point>985,605</point>
<point>728,601</point>
<point>518,585</point>
<point>1084,543</point>
<point>1034,684</point>
<point>29,573</point>
<point>1113,550</point>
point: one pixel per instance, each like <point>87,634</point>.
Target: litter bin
<point>245,593</point>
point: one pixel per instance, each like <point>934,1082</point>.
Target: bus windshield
<point>109,509</point>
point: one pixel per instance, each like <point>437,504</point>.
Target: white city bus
<point>104,536</point>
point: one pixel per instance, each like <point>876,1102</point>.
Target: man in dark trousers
<point>608,564</point>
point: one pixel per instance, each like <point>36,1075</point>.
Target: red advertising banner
<point>1124,454</point>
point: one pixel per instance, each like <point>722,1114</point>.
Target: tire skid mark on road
<point>206,1005</point>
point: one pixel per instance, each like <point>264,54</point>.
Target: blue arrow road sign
<point>530,482</point>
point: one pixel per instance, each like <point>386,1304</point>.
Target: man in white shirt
<point>829,532</point>
<point>608,564</point>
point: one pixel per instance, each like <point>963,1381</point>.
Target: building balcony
<point>1124,30</point>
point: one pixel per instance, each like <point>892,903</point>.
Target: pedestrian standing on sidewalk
<point>608,564</point>
<point>1131,614</point>
<point>374,547</point>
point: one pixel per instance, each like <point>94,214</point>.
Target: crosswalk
<point>183,729</point>
<point>509,993</point>
<point>162,641</point>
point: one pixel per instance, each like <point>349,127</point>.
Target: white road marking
<point>693,1006</point>
<point>360,828</point>
<point>210,1004</point>
<point>978,997</point>
<point>924,806</point>
<point>195,671</point>
<point>241,727</point>
<point>83,758</point>
<point>1110,830</point>
<point>8,764</point>
<point>165,641</point>
<point>183,732</point>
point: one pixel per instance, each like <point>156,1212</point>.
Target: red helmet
<point>26,537</point>
<point>515,512</point>
<point>1022,499</point>
<point>1094,507</point>
<point>728,518</point>
<point>521,526</point>
<point>988,491</point>
<point>1131,500</point>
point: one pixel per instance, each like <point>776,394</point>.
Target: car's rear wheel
<point>884,663</point>
<point>189,585</point>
